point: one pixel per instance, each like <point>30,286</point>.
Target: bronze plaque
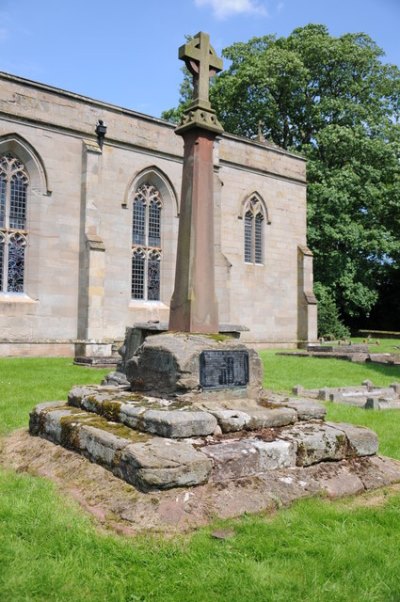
<point>220,369</point>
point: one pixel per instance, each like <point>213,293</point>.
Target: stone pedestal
<point>202,365</point>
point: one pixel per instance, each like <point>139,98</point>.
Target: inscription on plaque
<point>224,369</point>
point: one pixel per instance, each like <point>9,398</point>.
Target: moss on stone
<point>70,424</point>
<point>218,337</point>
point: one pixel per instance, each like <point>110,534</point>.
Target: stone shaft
<point>193,304</point>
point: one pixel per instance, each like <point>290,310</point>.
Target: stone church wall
<point>78,262</point>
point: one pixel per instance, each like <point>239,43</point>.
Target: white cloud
<point>227,8</point>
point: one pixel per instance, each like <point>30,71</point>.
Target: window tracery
<point>146,243</point>
<point>254,231</point>
<point>13,234</point>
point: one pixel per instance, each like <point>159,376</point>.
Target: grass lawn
<point>315,551</point>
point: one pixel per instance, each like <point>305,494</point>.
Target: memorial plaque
<point>220,369</point>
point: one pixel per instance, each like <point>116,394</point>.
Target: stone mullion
<point>6,230</point>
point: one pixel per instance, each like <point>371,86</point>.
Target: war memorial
<point>185,419</point>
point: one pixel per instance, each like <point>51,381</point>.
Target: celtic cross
<point>202,61</point>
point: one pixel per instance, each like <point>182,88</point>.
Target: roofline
<point>130,112</point>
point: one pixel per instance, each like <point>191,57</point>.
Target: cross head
<point>202,61</point>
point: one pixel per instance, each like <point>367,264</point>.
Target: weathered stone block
<point>163,464</point>
<point>231,420</point>
<point>237,459</point>
<point>363,441</point>
<point>52,425</point>
<point>267,418</point>
<point>76,395</point>
<point>37,415</point>
<point>99,445</point>
<point>307,409</point>
<point>170,363</point>
<point>131,415</point>
<point>175,423</point>
<point>316,442</point>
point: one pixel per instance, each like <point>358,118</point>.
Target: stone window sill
<point>16,298</point>
<point>141,303</point>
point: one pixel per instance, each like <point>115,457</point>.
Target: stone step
<point>143,461</point>
<point>176,418</point>
<point>162,417</point>
<point>150,462</point>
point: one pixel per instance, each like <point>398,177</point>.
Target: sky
<point>125,52</point>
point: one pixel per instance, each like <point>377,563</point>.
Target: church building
<point>89,213</point>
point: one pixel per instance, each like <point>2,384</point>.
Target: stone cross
<point>194,305</point>
<point>202,61</point>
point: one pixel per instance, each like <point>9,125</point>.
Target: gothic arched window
<point>146,243</point>
<point>13,233</point>
<point>253,231</point>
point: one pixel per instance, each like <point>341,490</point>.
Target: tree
<point>335,101</point>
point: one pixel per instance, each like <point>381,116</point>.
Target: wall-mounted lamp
<point>101,131</point>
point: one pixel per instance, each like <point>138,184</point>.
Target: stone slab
<point>316,443</point>
<point>157,463</point>
<point>231,420</point>
<point>362,441</point>
<point>306,409</point>
<point>246,458</point>
<point>100,446</point>
<point>177,424</point>
<point>267,418</point>
<point>163,464</point>
<point>169,363</point>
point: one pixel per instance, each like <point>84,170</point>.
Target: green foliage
<point>334,100</point>
<point>329,323</point>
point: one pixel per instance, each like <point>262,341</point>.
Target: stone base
<point>125,510</point>
<point>160,443</point>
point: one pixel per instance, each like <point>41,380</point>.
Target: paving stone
<point>316,442</point>
<point>163,464</point>
<point>237,459</point>
<point>177,424</point>
<point>363,441</point>
<point>231,420</point>
<point>267,418</point>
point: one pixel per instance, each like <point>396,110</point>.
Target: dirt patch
<point>115,505</point>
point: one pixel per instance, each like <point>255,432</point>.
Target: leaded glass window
<point>254,231</point>
<point>146,243</point>
<point>13,235</point>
